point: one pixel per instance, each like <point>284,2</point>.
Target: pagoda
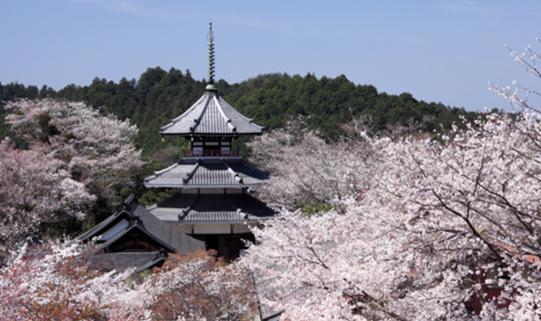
<point>213,205</point>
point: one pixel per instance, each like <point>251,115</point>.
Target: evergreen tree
<point>325,104</point>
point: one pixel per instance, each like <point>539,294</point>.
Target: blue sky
<point>439,50</point>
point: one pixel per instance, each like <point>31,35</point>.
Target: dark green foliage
<point>313,208</point>
<point>326,104</point>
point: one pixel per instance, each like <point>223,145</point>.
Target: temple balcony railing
<point>211,153</point>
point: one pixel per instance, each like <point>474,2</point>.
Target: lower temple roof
<point>143,232</point>
<point>121,225</point>
<point>204,172</point>
<point>212,208</point>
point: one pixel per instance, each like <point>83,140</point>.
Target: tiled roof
<point>207,172</point>
<point>212,208</point>
<point>121,223</point>
<point>211,115</point>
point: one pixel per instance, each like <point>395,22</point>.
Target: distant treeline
<point>272,99</point>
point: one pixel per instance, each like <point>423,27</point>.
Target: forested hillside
<point>272,99</point>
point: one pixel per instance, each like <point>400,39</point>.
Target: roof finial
<point>210,85</point>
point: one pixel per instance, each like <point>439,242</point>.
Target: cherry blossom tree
<point>35,189</point>
<point>73,157</point>
<point>437,225</point>
<point>97,149</point>
<point>520,95</point>
<point>431,228</point>
<point>54,281</point>
<point>306,170</point>
<point>199,287</point>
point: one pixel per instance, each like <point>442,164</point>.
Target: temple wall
<point>241,228</point>
<point>180,236</point>
<point>177,235</point>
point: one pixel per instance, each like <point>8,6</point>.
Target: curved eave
<point>201,186</point>
<point>190,134</point>
<point>207,173</point>
<point>239,222</point>
<point>212,209</point>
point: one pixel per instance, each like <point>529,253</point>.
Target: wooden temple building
<point>213,205</point>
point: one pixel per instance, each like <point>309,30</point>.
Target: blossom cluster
<point>54,281</point>
<point>69,157</point>
<point>34,188</point>
<point>425,230</point>
<point>97,148</point>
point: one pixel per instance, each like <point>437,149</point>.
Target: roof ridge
<point>141,228</point>
<point>186,112</point>
<point>187,210</point>
<point>197,120</point>
<point>222,112</point>
<point>190,174</point>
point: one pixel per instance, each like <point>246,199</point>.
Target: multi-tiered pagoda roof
<point>213,205</point>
